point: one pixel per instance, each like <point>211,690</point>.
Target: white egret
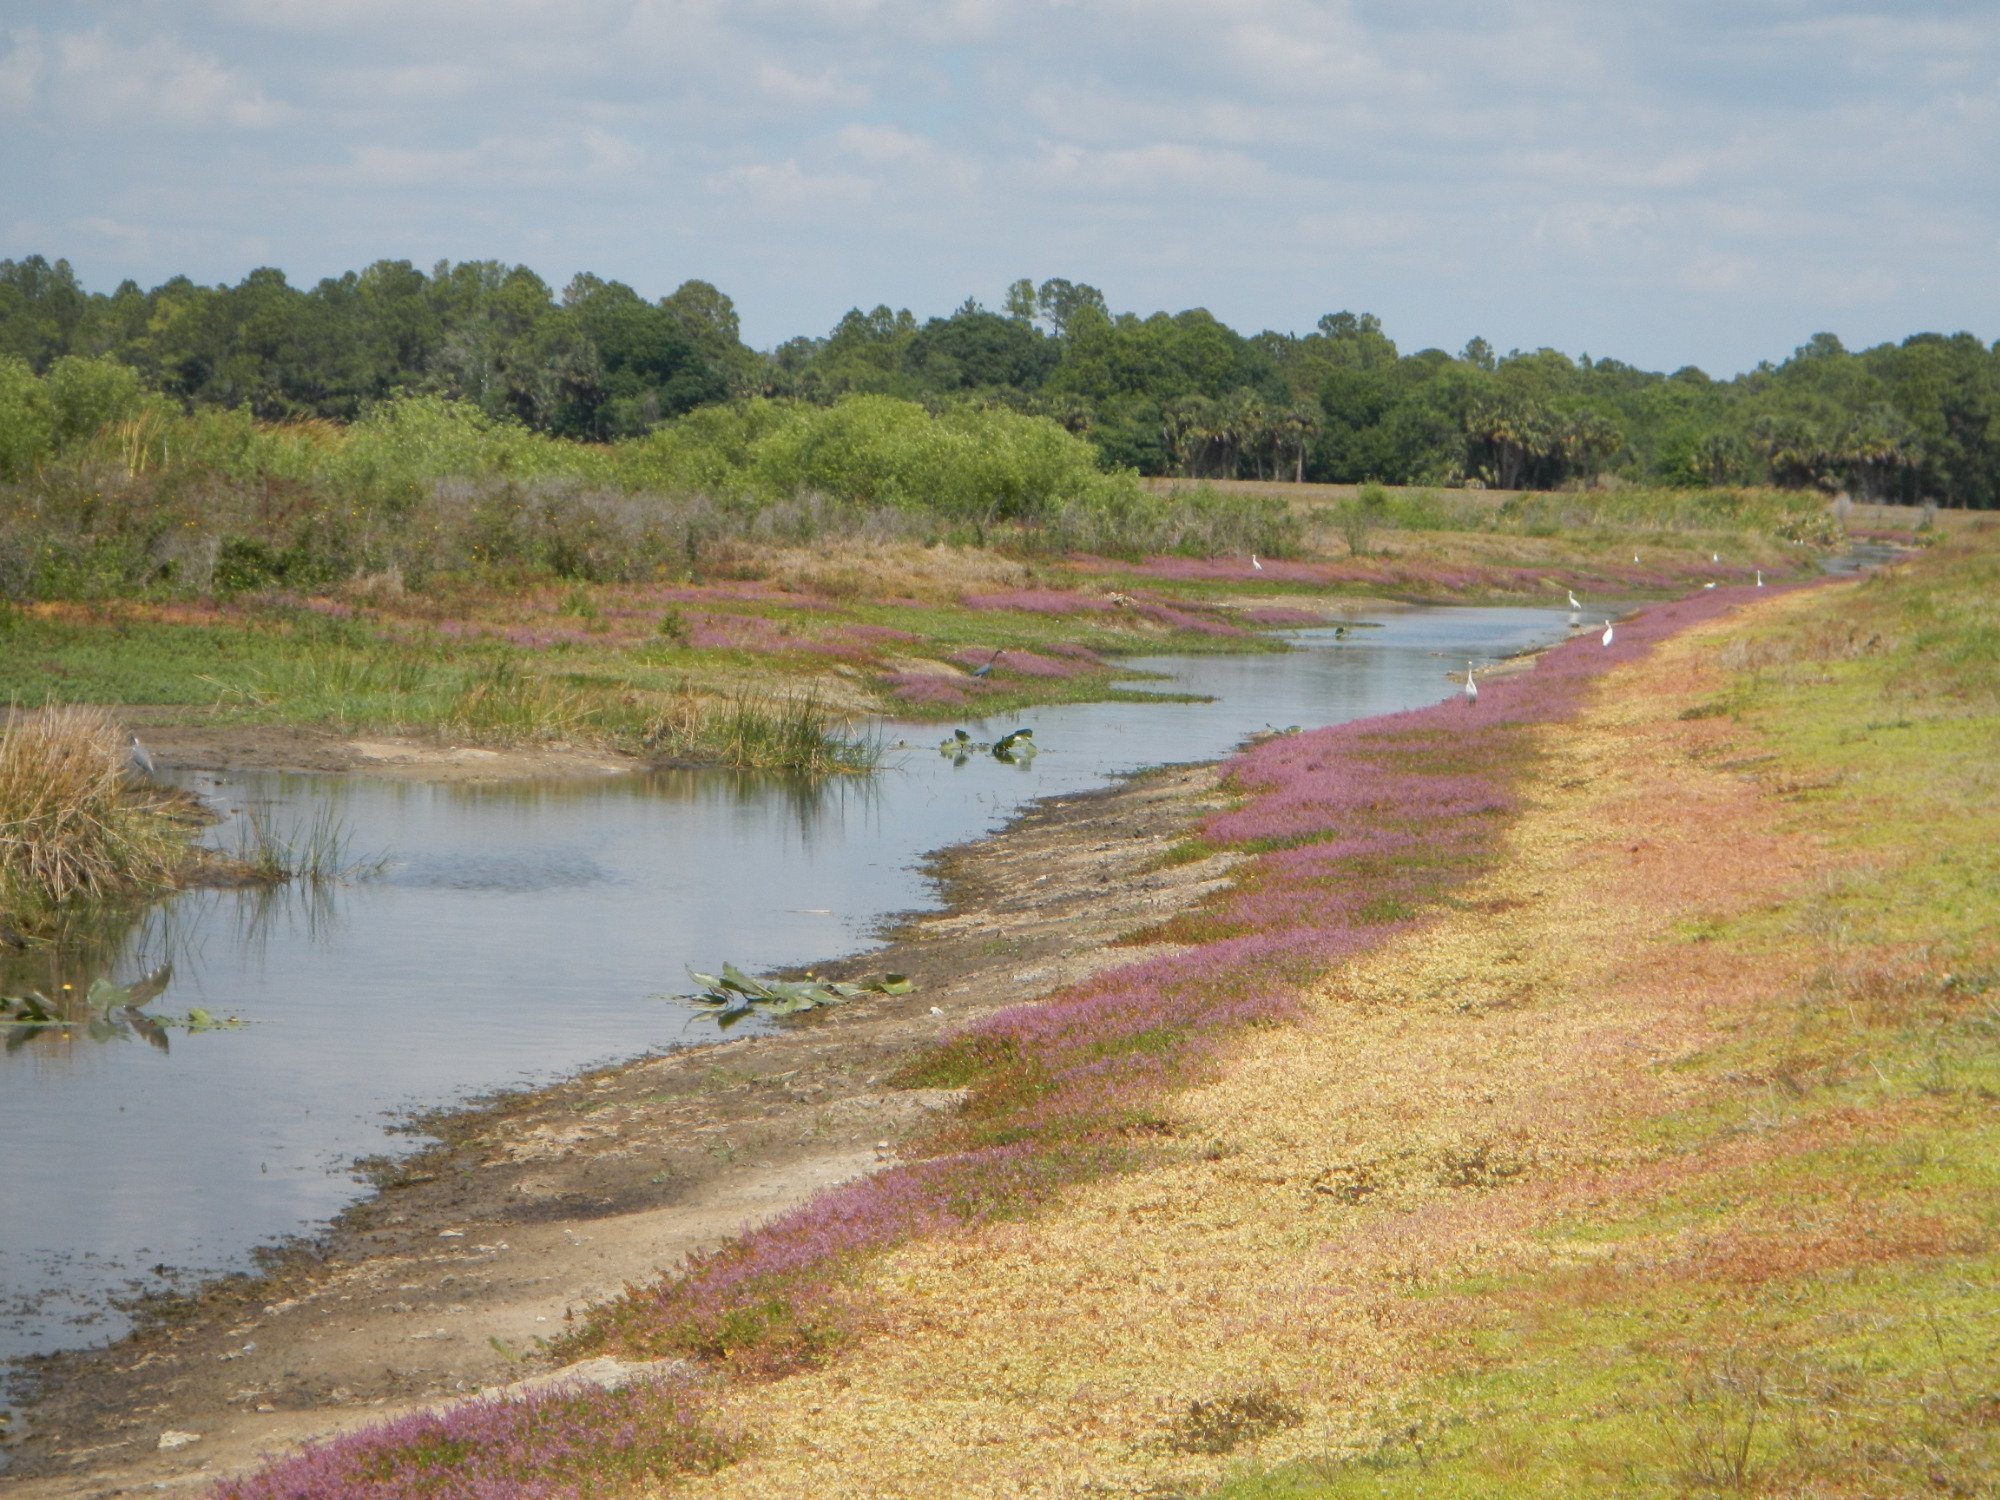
<point>1760,578</point>
<point>1607,632</point>
<point>1715,557</point>
<point>1255,564</point>
<point>1471,687</point>
<point>1574,602</point>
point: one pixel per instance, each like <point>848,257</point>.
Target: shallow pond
<point>519,932</point>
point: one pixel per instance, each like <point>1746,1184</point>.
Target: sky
<point>1704,182</point>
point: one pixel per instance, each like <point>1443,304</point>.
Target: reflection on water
<point>102,1010</point>
<point>520,931</point>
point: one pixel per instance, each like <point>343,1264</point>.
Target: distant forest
<point>1165,394</point>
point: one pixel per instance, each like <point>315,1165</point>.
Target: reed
<point>74,824</point>
<point>318,851</point>
<point>761,731</point>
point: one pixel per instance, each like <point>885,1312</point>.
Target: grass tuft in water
<point>758,731</point>
<point>75,824</point>
<point>318,851</point>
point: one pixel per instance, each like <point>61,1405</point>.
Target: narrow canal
<point>518,932</point>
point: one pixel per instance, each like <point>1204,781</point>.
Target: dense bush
<point>151,500</point>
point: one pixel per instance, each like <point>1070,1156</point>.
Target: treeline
<point>1163,394</point>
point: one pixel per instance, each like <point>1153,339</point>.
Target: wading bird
<point>1471,687</point>
<point>988,667</point>
<point>140,761</point>
<point>1574,602</point>
<point>1255,564</point>
<point>1715,557</point>
<point>1760,578</point>
<point>1607,633</point>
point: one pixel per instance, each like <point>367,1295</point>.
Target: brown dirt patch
<point>279,747</point>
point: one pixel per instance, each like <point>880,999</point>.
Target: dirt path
<point>444,1281</point>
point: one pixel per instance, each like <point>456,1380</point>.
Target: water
<point>520,932</point>
<point>1860,557</point>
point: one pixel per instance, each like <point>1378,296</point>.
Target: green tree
<point>27,421</point>
<point>974,349</point>
<point>1059,301</point>
<point>707,319</point>
<point>85,395</point>
<point>40,307</point>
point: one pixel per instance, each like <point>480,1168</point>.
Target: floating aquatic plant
<point>1017,745</point>
<point>105,1012</point>
<point>732,994</point>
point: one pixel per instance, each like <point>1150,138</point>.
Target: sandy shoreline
<point>277,747</point>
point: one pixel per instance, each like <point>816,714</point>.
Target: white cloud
<point>611,155</point>
<point>415,83</point>
<point>826,87</point>
<point>413,166</point>
<point>883,143</point>
<point>784,188</point>
<point>128,237</point>
<point>1202,174</point>
<point>21,72</point>
<point>95,76</point>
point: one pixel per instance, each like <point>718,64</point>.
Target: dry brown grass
<point>73,823</point>
<point>865,570</point>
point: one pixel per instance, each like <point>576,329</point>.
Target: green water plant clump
<point>732,994</point>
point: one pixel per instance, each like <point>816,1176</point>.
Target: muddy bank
<point>471,1253</point>
<point>280,747</point>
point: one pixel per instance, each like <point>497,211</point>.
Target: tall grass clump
<point>759,731</point>
<point>318,851</point>
<point>505,704</point>
<point>73,824</point>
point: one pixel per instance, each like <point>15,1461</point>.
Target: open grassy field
<point>851,625</point>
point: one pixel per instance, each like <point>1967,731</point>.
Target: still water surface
<point>521,931</point>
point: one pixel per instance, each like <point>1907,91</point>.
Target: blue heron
<point>140,761</point>
<point>981,671</point>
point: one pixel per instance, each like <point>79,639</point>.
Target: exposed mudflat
<point>444,1281</point>
<point>280,747</point>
